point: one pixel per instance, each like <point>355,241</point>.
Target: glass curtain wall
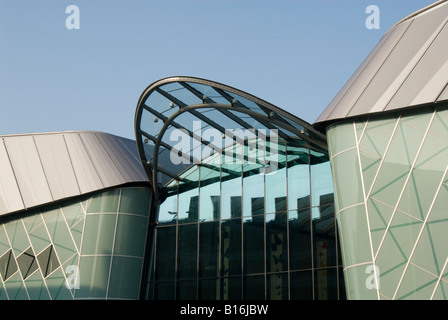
<point>228,230</point>
<point>90,247</point>
<point>390,174</point>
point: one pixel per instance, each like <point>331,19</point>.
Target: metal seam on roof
<point>389,88</point>
<point>36,176</point>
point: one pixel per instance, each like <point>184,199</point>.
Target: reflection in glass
<point>276,243</point>
<point>166,252</point>
<point>253,241</point>
<point>187,251</point>
<point>231,247</point>
<point>208,249</point>
<point>168,208</point>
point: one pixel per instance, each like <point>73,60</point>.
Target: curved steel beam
<point>214,106</point>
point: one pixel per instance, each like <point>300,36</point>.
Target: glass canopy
<point>180,121</point>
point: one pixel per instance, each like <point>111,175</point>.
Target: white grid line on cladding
<point>384,156</point>
<point>113,244</point>
<point>399,210</point>
<point>12,252</point>
<point>82,239</point>
<point>404,186</point>
<point>439,279</point>
<point>365,206</point>
<point>69,231</point>
<point>35,257</point>
<point>77,252</point>
<point>364,129</point>
<point>15,260</point>
<point>342,151</point>
<point>422,227</point>
<point>51,244</point>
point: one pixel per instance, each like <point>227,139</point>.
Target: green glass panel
<point>231,198</point>
<point>168,208</point>
<point>439,124</point>
<point>301,283</point>
<point>188,206</point>
<point>277,287</point>
<point>165,264</point>
<point>355,242</point>
<point>397,164</point>
<point>377,135</point>
<point>254,288</point>
<point>275,191</point>
<point>209,289</point>
<point>417,118</point>
<point>253,195</point>
<point>426,177</point>
<point>209,194</point>
<point>94,276</point>
<point>347,179</point>
<point>99,234</point>
<point>165,290</point>
<point>231,247</point>
<point>341,137</point>
<point>416,285</point>
<point>431,251</point>
<point>130,235</point>
<point>48,261</point>
<point>391,261</point>
<point>32,221</point>
<point>208,249</point>
<point>299,183</point>
<point>4,244</point>
<point>136,201</point>
<point>187,252</point>
<point>300,247</point>
<point>404,231</point>
<point>360,283</point>
<point>39,238</point>
<point>104,202</point>
<point>15,288</point>
<point>36,287</point>
<point>73,213</point>
<point>187,290</point>
<point>77,233</point>
<point>231,288</point>
<point>441,292</point>
<point>324,238</point>
<point>276,242</point>
<point>60,236</point>
<point>27,263</point>
<point>125,278</point>
<point>321,184</point>
<point>253,244</point>
<point>57,286</point>
<point>17,236</point>
<point>360,125</point>
<point>8,265</point>
<point>370,165</point>
<point>325,284</point>
<point>379,218</point>
<point>72,275</point>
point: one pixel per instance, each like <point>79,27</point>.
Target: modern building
<point>224,196</point>
<point>387,135</point>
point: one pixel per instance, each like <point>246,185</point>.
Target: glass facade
<point>90,247</point>
<point>391,191</point>
<point>228,230</point>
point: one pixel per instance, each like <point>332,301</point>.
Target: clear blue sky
<point>296,54</point>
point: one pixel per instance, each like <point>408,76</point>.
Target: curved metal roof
<point>36,169</point>
<point>408,67</point>
<point>187,107</point>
